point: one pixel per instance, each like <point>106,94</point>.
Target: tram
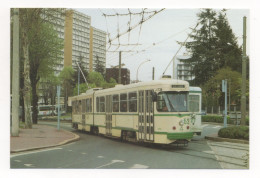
<point>195,105</point>
<point>154,111</point>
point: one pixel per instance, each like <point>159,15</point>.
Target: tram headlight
<point>181,123</point>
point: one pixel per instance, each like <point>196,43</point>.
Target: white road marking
<point>29,165</point>
<point>32,152</point>
<point>216,127</point>
<point>70,150</point>
<point>205,125</point>
<point>17,161</point>
<point>139,166</point>
<point>100,156</point>
<point>112,162</point>
<point>210,152</point>
<point>84,153</point>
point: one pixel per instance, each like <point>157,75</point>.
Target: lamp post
<point>140,66</point>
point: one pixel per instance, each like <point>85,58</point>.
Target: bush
<point>215,118</point>
<point>235,132</point>
<point>219,119</point>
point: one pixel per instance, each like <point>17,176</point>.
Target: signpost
<point>58,95</point>
<point>224,89</point>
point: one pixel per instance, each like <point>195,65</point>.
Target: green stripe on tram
<point>195,91</point>
<point>176,115</point>
<point>124,128</point>
<point>175,136</point>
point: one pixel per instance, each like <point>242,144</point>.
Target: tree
<point>49,89</point>
<point>213,46</point>
<point>66,80</point>
<point>212,93</point>
<point>99,67</point>
<point>43,50</point>
<point>96,78</point>
<point>82,89</point>
<point>31,19</point>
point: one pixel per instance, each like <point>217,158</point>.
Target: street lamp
<point>139,67</point>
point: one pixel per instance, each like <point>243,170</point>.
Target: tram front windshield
<point>172,101</point>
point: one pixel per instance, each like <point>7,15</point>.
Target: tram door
<point>109,115</point>
<point>145,116</point>
<point>83,110</point>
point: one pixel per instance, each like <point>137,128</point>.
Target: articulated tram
<point>155,112</point>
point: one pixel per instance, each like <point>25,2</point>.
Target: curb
<point>226,140</point>
<point>76,138</point>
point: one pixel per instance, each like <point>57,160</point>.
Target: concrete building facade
<point>182,70</point>
<point>98,47</point>
<point>77,39</point>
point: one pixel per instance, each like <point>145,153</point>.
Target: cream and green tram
<point>195,105</point>
<point>155,112</point>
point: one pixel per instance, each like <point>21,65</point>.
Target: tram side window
<point>102,104</point>
<point>77,107</point>
<point>80,106</point>
<point>83,106</point>
<point>115,103</point>
<point>132,99</point>
<point>73,107</point>
<point>89,105</point>
<point>123,102</point>
<point>194,102</point>
<point>97,104</point>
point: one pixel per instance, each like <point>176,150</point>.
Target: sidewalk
<point>215,137</point>
<point>40,136</point>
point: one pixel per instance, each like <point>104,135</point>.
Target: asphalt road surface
<point>97,152</point>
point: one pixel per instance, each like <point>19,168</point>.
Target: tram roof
<point>150,84</point>
<point>195,88</point>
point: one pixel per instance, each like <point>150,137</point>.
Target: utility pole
<point>119,69</point>
<point>153,73</point>
<point>15,75</point>
<point>78,79</point>
<point>243,96</point>
<point>58,96</point>
<point>224,89</point>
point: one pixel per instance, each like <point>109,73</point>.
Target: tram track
<point>196,152</point>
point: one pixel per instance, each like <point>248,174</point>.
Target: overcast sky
<point>167,27</point>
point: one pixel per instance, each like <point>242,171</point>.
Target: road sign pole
<point>224,89</point>
<point>58,95</point>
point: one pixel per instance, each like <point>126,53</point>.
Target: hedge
<point>235,132</point>
<point>219,119</point>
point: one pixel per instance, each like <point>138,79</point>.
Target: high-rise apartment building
<point>97,47</point>
<point>76,39</point>
<point>82,43</point>
<point>182,70</point>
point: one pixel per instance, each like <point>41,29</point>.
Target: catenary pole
<point>243,89</point>
<point>15,75</point>
<point>119,69</point>
<point>153,73</point>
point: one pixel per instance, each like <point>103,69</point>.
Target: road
<point>97,152</point>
